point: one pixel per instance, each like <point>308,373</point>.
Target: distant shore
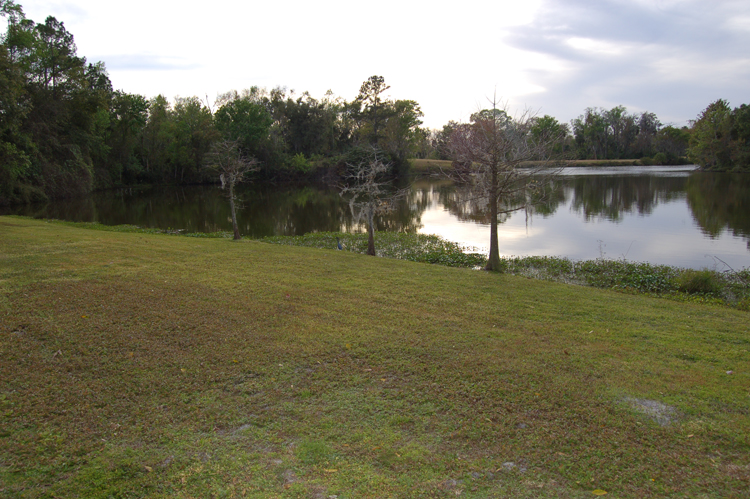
<point>435,165</point>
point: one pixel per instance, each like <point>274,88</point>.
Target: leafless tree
<point>226,159</point>
<point>503,164</point>
<point>370,192</point>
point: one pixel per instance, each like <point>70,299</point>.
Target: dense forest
<point>64,131</point>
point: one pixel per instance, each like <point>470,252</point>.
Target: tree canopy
<point>720,137</point>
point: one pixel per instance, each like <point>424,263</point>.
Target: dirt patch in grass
<point>663,414</point>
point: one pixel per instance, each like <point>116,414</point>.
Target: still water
<point>666,215</point>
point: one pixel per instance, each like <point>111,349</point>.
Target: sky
<point>669,57</point>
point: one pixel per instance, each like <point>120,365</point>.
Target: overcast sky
<point>670,57</point>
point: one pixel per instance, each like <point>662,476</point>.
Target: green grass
<point>144,365</point>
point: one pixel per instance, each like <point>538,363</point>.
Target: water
<point>665,215</point>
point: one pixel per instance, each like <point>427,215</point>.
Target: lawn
<point>149,365</point>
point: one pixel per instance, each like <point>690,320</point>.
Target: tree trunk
<point>371,233</point>
<point>493,262</point>
<point>234,216</point>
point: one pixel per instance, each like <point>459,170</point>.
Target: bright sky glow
<point>672,58</point>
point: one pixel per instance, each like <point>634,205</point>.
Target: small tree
<point>226,159</point>
<point>370,193</point>
<point>504,163</point>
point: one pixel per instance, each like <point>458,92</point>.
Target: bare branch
<point>226,159</point>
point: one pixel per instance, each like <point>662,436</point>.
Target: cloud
<point>146,62</point>
<point>67,12</point>
<point>669,57</point>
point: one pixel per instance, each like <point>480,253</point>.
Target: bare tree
<point>503,164</point>
<point>370,192</point>
<point>226,159</point>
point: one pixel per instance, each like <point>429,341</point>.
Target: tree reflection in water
<point>719,202</point>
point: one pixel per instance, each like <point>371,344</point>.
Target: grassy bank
<point>729,288</point>
<point>144,365</point>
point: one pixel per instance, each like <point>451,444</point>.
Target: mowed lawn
<point>145,365</point>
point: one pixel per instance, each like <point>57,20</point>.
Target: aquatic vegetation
<point>424,248</point>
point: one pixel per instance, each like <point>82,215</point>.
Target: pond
<point>665,215</point>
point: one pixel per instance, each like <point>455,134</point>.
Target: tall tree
<point>193,133</point>
<point>488,157</point>
<point>401,132</point>
<point>14,107</point>
<point>548,126</point>
<point>156,137</point>
<point>711,136</point>
<point>648,130</point>
<point>68,101</point>
<point>374,111</point>
<point>592,134</point>
<point>672,141</point>
<point>740,143</point>
<point>128,115</point>
<point>244,119</point>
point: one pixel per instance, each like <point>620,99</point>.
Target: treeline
<point>602,134</point>
<point>64,131</point>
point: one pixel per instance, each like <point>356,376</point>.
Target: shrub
<point>661,159</point>
<point>300,163</point>
<point>699,281</point>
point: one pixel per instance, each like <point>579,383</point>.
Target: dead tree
<point>370,192</point>
<point>226,159</point>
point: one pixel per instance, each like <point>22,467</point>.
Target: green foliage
<point>699,282</point>
<point>617,134</point>
<point>710,138</point>
<point>306,125</point>
<point>299,163</point>
<point>246,121</point>
<point>548,128</point>
<point>125,122</point>
<point>13,166</point>
<point>720,138</point>
<point>661,159</point>
<point>673,141</point>
<point>740,144</point>
<point>51,127</point>
<point>392,126</point>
